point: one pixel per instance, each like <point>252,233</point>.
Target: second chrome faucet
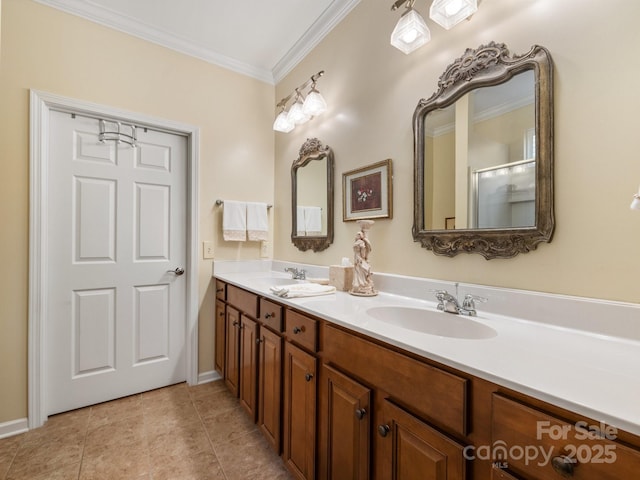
<point>450,304</point>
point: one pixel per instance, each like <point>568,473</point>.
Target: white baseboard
<point>206,377</point>
<point>14,427</point>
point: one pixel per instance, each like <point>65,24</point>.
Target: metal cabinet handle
<point>308,377</point>
<point>178,271</point>
<point>219,290</point>
<point>360,413</point>
<point>296,330</point>
<point>268,315</point>
<point>383,430</point>
<point>235,323</point>
<point>259,340</point>
<point>564,465</point>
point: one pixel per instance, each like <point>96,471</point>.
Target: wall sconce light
<point>448,13</point>
<point>303,107</point>
<point>411,31</point>
<point>635,203</point>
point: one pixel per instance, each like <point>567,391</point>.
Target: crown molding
<point>331,17</point>
<point>112,19</point>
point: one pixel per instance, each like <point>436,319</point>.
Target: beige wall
<point>372,89</point>
<point>51,51</point>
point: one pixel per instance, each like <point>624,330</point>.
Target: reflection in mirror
<point>480,158</point>
<point>483,155</point>
<point>312,197</point>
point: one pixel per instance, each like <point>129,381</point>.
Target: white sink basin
<point>432,322</point>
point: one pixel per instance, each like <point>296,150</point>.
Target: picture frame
<point>367,192</point>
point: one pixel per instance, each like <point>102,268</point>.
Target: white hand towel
<point>300,221</point>
<point>234,221</point>
<point>257,221</point>
<point>298,290</point>
<point>313,220</point>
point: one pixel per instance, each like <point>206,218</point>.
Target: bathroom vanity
<point>343,395</point>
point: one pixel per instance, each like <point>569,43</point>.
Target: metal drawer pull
<point>564,465</point>
<point>308,377</point>
<point>219,290</point>
<point>383,430</point>
<point>360,413</point>
<point>259,340</point>
<point>297,330</point>
<point>269,315</point>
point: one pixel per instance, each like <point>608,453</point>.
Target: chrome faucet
<point>296,274</point>
<point>450,304</point>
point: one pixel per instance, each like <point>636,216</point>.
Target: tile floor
<point>173,433</point>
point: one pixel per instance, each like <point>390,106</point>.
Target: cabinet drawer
<point>301,330</point>
<point>244,301</point>
<point>436,395</point>
<point>221,290</point>
<point>547,440</point>
<point>271,314</point>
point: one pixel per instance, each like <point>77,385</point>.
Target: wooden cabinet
<point>375,411</point>
<point>345,413</point>
<point>270,387</point>
<point>410,449</point>
<point>232,350</point>
<point>299,427</point>
<point>555,448</point>
<point>249,366</point>
<point>220,338</point>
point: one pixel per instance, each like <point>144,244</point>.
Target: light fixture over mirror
<point>448,13</point>
<point>303,107</point>
<point>411,31</point>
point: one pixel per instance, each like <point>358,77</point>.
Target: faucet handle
<point>469,301</point>
<point>440,296</point>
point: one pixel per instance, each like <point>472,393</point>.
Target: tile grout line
<point>206,432</point>
<point>84,442</point>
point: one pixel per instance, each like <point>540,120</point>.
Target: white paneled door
<point>116,320</point>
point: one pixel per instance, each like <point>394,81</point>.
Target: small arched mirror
<point>483,155</point>
<point>312,197</point>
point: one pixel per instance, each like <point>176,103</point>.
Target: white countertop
<point>592,374</point>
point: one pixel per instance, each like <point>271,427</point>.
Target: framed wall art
<point>367,192</point>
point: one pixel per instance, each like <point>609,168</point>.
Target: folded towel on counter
<point>313,220</point>
<point>234,221</point>
<point>297,290</point>
<point>257,221</point>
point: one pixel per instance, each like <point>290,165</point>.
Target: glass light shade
<point>635,204</point>
<point>314,104</point>
<point>448,13</point>
<point>297,115</point>
<point>411,32</point>
<point>282,123</point>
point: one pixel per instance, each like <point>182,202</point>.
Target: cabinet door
<point>270,386</point>
<point>346,411</point>
<point>232,350</point>
<point>409,449</point>
<point>220,336</point>
<point>299,412</point>
<point>249,366</point>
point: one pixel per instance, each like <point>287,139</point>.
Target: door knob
<point>178,271</point>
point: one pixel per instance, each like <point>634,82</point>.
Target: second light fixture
<point>303,107</point>
<point>411,31</point>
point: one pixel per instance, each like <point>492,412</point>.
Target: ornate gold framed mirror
<point>312,197</point>
<point>483,155</point>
